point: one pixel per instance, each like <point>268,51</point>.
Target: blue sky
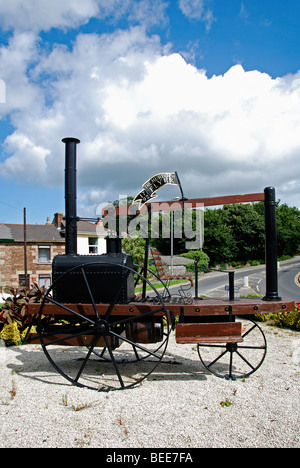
<point>207,88</point>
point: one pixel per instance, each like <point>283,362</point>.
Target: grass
<point>78,407</point>
<point>159,284</point>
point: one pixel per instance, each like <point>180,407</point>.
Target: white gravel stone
<point>177,408</point>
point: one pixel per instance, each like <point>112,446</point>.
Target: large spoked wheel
<point>236,360</point>
<point>102,350</point>
<point>139,279</point>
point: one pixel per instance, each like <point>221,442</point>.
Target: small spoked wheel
<point>236,360</point>
<point>103,349</point>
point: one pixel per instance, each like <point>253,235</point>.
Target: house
<point>43,243</point>
<point>90,236</point>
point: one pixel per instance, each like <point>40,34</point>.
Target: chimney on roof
<point>48,221</point>
<point>58,217</point>
<point>100,223</point>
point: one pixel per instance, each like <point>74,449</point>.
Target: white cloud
<point>192,8</point>
<point>27,158</point>
<point>37,15</point>
<point>15,62</point>
<point>197,10</point>
<point>139,109</point>
<point>148,12</point>
<point>42,15</point>
<point>244,12</point>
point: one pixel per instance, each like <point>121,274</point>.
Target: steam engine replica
<point>97,333</point>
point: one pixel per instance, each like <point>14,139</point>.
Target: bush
<point>289,320</point>
<point>14,308</point>
<point>263,317</point>
<point>136,248</point>
<point>254,262</point>
<point>193,254</point>
<point>10,334</point>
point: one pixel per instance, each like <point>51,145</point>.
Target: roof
<point>34,232</point>
<point>87,228</point>
<point>5,232</point>
<point>45,232</point>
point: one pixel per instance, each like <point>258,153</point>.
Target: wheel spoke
<point>230,364</point>
<point>249,331</point>
<point>244,359</point>
<point>136,345</point>
<point>114,362</point>
<point>136,353</point>
<point>66,338</point>
<point>139,317</point>
<point>90,292</point>
<point>86,358</point>
<point>111,306</point>
<point>252,347</point>
<point>83,317</point>
<point>217,359</point>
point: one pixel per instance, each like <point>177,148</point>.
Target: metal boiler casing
<point>107,276</point>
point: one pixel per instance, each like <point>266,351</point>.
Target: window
<point>22,280</point>
<point>44,254</point>
<point>93,245</point>
<point>45,280</point>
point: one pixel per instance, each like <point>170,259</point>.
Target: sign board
<point>236,288</point>
<point>151,186</point>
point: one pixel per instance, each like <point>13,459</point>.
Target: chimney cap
<point>70,139</point>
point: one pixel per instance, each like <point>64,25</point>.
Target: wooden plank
<point>198,307</point>
<point>190,203</point>
<point>211,201</point>
<point>222,332</point>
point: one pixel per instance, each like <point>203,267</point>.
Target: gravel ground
<point>177,408</point>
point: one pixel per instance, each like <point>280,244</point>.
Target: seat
<point>164,276</point>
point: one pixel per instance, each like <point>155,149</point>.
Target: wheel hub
<point>231,347</point>
<point>102,327</point>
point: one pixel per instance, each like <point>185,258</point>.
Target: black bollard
<point>271,246</point>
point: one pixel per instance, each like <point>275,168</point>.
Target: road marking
<point>297,280</point>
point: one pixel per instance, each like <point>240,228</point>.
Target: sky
<point>207,88</point>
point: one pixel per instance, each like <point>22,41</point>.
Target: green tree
<point>288,230</point>
<point>160,236</point>
<point>136,248</point>
<point>234,233</point>
<point>219,243</point>
<point>247,229</point>
<point>237,232</point>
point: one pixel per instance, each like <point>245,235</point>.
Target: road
<point>213,284</point>
<point>289,279</point>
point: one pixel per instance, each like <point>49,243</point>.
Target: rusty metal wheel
<point>103,351</point>
<point>236,360</point>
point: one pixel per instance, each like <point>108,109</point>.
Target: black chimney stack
<point>113,245</point>
<point>70,196</point>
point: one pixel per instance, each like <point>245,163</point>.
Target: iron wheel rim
<point>229,355</point>
<point>92,328</point>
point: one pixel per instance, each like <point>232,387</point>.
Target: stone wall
<point>12,262</point>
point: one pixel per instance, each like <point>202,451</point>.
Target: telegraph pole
<point>25,252</point>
